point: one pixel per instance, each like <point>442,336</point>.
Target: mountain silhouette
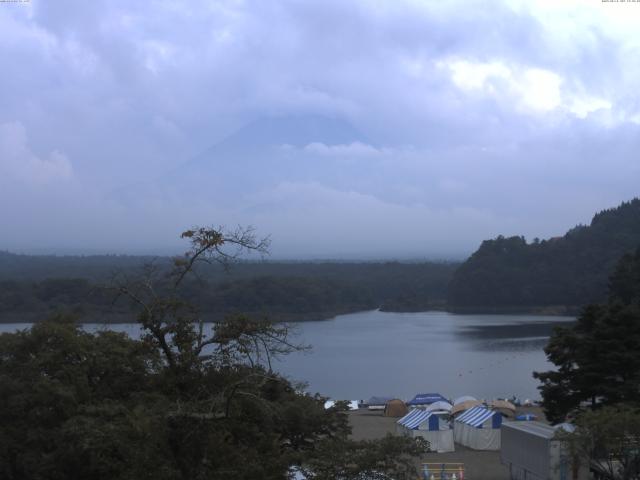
<point>260,155</point>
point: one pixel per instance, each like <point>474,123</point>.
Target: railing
<point>443,471</point>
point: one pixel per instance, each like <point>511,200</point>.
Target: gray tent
<point>377,403</point>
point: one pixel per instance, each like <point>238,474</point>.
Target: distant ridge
<point>558,275</point>
<point>255,158</point>
<point>295,130</point>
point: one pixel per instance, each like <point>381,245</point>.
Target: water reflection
<point>399,354</point>
<point>512,345</point>
<point>518,337</point>
<point>369,353</point>
<point>511,331</point>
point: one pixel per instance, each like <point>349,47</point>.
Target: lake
<point>370,353</point>
<point>400,354</point>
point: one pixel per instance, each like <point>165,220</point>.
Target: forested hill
<point>559,274</point>
<point>31,287</point>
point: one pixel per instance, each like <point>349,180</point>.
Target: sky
<point>442,124</point>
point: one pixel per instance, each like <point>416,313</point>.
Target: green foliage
<point>188,401</point>
<point>290,291</point>
<point>609,438</point>
<point>568,271</point>
<point>64,393</point>
<point>78,405</point>
<point>597,359</point>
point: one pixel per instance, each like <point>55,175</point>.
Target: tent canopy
<point>525,417</point>
<point>477,416</point>
<point>379,400</point>
<point>464,398</point>
<point>426,399</point>
<point>352,404</point>
<point>429,426</point>
<point>417,417</point>
<point>440,405</point>
<point>502,404</point>
<point>461,407</point>
<point>395,408</point>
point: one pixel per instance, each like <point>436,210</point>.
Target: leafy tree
<point>559,274</point>
<point>597,359</point>
<point>188,400</point>
<point>31,287</point>
<point>609,439</point>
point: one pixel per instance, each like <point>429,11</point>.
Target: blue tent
<point>526,417</point>
<point>426,399</point>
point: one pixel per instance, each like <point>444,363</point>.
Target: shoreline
<point>124,318</point>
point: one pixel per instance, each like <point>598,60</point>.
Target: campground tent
<point>526,417</point>
<point>352,404</point>
<point>424,399</point>
<point>395,408</point>
<point>464,398</point>
<point>505,407</point>
<point>478,428</point>
<point>439,406</point>
<point>458,408</point>
<point>377,403</point>
<point>433,427</point>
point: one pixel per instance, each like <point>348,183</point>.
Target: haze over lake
<point>370,353</point>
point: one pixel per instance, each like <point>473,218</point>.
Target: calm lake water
<point>362,354</point>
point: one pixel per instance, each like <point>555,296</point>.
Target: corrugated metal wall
<point>525,453</point>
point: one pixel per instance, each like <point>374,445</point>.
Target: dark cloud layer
<point>473,119</point>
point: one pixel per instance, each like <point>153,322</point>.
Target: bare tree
<point>187,343</point>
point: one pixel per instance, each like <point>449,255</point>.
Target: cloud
<point>532,90</point>
<point>320,220</point>
<point>18,162</point>
<point>525,111</point>
<point>353,149</point>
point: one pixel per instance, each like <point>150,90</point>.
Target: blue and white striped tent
<point>478,428</point>
<point>418,417</point>
<point>433,427</point>
<point>477,416</point>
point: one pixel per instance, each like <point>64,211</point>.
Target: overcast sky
<point>476,119</point>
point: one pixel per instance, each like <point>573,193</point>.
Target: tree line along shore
<point>509,275</point>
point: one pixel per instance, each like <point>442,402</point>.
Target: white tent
<point>464,398</point>
<point>434,428</point>
<point>478,428</point>
<point>378,403</point>
<point>353,404</point>
<point>439,407</point>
